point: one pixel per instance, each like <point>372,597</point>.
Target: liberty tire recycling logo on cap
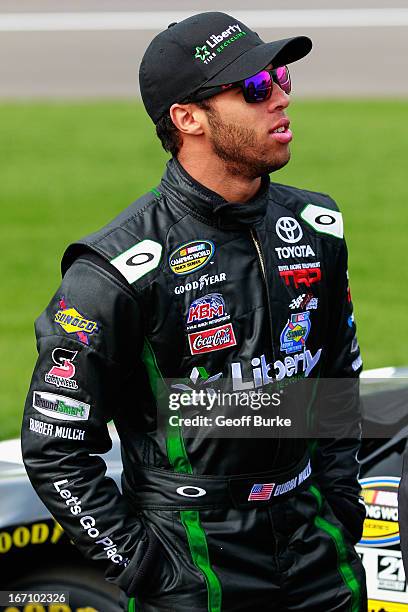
<point>201,52</point>
<point>141,258</point>
<point>191,256</point>
<point>219,42</point>
<point>289,230</point>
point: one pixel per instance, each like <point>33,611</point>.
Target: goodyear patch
<point>381,526</point>
<point>73,322</point>
<point>191,256</point>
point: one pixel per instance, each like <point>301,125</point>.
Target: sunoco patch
<point>191,256</point>
<point>73,322</point>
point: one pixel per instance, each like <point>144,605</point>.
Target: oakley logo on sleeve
<point>137,261</point>
<point>323,220</point>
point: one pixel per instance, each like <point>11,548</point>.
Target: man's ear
<point>188,118</point>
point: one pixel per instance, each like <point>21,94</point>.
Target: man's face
<point>241,134</point>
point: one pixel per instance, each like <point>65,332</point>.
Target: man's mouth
<point>281,133</point>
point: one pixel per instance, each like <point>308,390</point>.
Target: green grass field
<point>67,169</point>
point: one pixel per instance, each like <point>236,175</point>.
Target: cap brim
<point>278,52</point>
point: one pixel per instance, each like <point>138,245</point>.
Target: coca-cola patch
<point>212,339</point>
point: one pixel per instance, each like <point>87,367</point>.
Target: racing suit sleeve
<point>88,339</point>
<point>335,461</point>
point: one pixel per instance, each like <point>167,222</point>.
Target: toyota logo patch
<point>289,230</point>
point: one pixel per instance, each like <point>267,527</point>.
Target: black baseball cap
<point>205,50</point>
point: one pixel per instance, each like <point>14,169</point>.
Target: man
<point>205,278</point>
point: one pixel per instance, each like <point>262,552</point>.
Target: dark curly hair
<point>169,134</point>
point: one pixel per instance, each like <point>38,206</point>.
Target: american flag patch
<point>261,491</point>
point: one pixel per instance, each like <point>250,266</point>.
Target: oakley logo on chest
<point>189,491</point>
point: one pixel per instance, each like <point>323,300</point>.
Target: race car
<point>36,554</point>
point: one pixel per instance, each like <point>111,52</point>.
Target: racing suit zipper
<point>262,266</point>
<point>261,260</point>
<point>260,257</point>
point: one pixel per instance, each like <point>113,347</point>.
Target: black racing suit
<point>185,285</point>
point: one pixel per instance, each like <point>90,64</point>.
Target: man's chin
<point>280,162</point>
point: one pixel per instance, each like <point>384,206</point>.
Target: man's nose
<point>279,99</point>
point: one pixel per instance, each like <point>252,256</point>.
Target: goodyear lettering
<point>22,536</point>
<point>203,281</point>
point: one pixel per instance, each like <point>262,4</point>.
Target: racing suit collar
<point>209,205</point>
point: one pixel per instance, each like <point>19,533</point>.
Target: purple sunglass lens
<point>258,87</point>
<point>283,78</point>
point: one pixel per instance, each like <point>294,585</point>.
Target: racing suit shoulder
<point>131,242</point>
